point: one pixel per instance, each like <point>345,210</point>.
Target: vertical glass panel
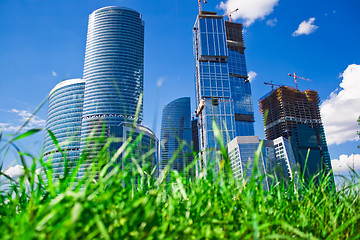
<point>204,46</point>
<point>219,25</point>
<point>209,25</point>
<point>216,44</point>
<point>202,25</point>
<point>211,44</point>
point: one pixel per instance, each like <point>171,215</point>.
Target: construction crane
<point>296,77</point>
<point>200,9</point>
<point>229,13</point>
<point>272,85</point>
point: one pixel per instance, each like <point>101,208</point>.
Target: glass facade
<point>213,92</point>
<point>306,150</point>
<point>176,128</point>
<point>239,84</point>
<point>223,92</point>
<point>145,153</point>
<point>113,68</point>
<point>285,159</point>
<point>242,153</point>
<point>64,120</point>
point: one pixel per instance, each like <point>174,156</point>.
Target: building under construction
<point>289,108</point>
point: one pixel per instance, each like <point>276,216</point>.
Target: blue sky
<point>43,42</point>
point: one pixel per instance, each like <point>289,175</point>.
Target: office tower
<point>108,98</point>
<point>239,83</point>
<point>64,120</point>
<point>288,109</point>
<point>195,134</point>
<point>113,69</point>
<point>176,129</point>
<point>242,153</point>
<point>286,166</point>
<point>222,90</point>
<point>145,152</point>
<point>307,150</point>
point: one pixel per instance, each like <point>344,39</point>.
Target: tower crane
<point>296,77</point>
<point>272,85</point>
<point>200,9</point>
<point>229,13</point>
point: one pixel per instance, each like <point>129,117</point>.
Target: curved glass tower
<point>176,127</point>
<point>113,69</point>
<point>64,120</point>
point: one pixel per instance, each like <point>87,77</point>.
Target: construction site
<point>286,107</point>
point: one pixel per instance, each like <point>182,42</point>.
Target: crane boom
<point>272,84</point>
<point>229,13</point>
<point>200,9</point>
<point>296,77</point>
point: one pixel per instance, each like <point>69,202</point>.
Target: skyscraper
<point>107,99</point>
<point>222,89</point>
<point>176,128</point>
<point>113,69</point>
<point>239,83</point>
<point>64,120</point>
<point>289,109</point>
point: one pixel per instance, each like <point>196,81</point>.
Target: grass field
<point>134,205</point>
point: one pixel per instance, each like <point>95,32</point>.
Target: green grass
<point>115,206</point>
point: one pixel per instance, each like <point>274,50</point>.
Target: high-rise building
<point>107,102</point>
<point>222,89</point>
<point>239,83</point>
<point>176,128</point>
<point>195,134</point>
<point>286,166</point>
<point>145,152</point>
<point>288,109</point>
<point>64,121</point>
<point>242,154</point>
<point>113,69</point>
<point>307,151</point>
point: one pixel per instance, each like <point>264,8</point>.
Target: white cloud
<point>21,117</point>
<point>252,75</point>
<point>345,163</point>
<point>249,11</point>
<point>160,81</point>
<point>15,172</point>
<point>341,110</point>
<point>271,22</point>
<point>305,28</point>
<point>54,74</point>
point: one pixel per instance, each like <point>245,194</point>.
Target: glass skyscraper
<point>64,120</point>
<point>105,102</point>
<point>176,128</point>
<point>222,88</point>
<point>239,83</point>
<point>113,69</point>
